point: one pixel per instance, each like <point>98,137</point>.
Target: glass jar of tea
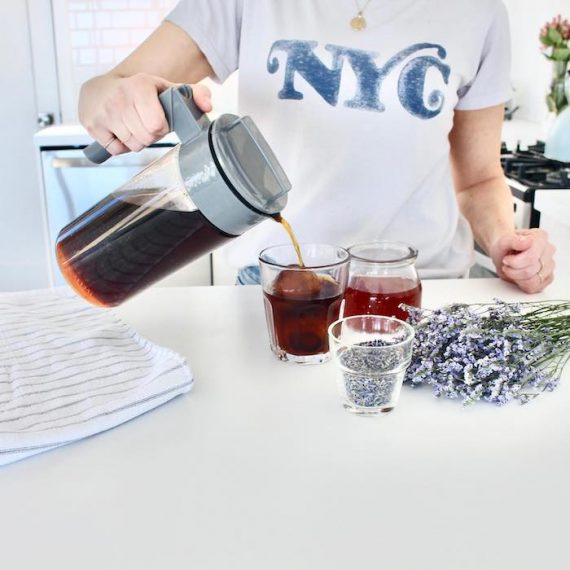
<point>382,276</point>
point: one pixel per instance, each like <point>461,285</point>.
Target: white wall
<point>531,71</point>
<point>22,255</point>
<point>92,37</point>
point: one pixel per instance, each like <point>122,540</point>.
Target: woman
<point>385,115</point>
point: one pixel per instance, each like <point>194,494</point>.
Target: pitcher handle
<point>182,114</point>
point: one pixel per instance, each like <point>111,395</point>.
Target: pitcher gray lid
<point>248,163</point>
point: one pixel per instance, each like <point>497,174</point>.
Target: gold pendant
<point>358,23</point>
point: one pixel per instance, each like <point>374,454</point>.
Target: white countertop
<point>260,468</point>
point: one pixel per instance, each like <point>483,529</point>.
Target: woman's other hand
<point>526,258</point>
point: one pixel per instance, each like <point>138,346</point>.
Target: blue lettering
<point>302,60</point>
<point>370,77</point>
<point>411,87</point>
<point>325,80</point>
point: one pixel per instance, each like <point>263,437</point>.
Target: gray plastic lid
<point>248,163</point>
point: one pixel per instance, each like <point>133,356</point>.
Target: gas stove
<point>528,172</point>
<point>532,169</point>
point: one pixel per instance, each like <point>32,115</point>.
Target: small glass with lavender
<point>371,353</point>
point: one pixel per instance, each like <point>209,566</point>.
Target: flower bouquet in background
<point>555,40</point>
<point>495,351</point>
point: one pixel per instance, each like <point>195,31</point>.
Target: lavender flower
<point>498,352</point>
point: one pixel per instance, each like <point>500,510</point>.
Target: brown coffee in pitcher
<point>125,243</point>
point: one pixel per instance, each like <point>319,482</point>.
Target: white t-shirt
<point>360,120</point>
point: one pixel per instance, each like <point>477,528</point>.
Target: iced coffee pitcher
<point>221,180</point>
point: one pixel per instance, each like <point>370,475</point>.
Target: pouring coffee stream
<point>287,226</point>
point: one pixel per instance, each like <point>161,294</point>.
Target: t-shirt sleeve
<point>215,26</point>
<point>492,82</point>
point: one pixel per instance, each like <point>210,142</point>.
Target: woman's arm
<point>522,256</point>
<point>122,105</point>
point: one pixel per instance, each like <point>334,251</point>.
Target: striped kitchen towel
<point>69,370</point>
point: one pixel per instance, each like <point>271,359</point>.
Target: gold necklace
<point>358,23</point>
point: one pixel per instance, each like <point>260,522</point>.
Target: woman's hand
<point>121,109</point>
<point>526,258</point>
<point>124,113</point>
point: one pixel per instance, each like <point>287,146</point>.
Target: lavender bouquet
<point>492,351</point>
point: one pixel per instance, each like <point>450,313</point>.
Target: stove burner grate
<point>531,168</point>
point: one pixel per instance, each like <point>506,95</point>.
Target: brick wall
<point>103,32</point>
<point>92,36</point>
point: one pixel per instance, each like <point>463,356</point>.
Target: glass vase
<point>557,100</point>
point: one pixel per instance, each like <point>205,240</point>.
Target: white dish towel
<point>69,370</point>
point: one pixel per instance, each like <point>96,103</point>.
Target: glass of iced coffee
<point>302,296</point>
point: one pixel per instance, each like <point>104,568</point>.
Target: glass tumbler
<point>382,275</point>
<point>371,353</point>
<point>301,302</point>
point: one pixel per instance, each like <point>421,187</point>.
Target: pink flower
<point>559,24</point>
